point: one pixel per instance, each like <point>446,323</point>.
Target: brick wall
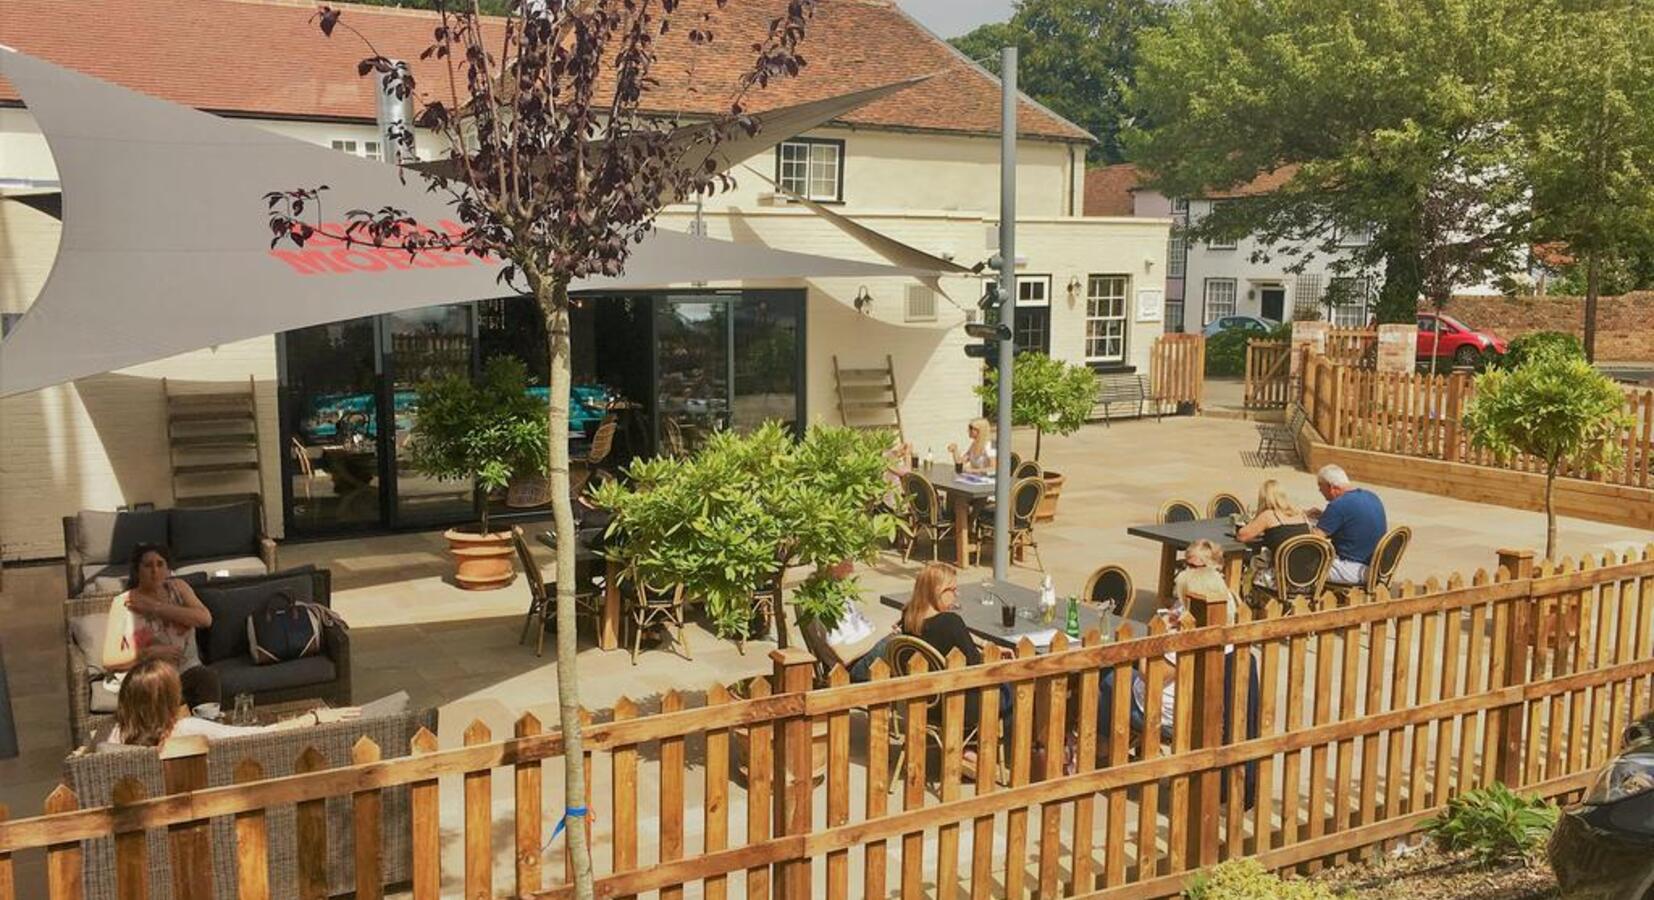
<point>1625,324</point>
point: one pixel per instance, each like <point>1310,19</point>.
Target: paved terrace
<point>414,631</point>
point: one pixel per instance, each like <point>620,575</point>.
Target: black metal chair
<point>1274,438</point>
<point>1224,505</point>
<point>924,514</point>
<point>1300,569</point>
<point>1026,496</point>
<point>1109,587</point>
<point>651,605</point>
<point>1178,511</point>
<point>542,604</point>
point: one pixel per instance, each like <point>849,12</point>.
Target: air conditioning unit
<point>920,304</point>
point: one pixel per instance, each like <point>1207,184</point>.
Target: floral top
<point>142,632</point>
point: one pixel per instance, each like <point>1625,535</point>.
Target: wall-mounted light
<point>1073,289</point>
<point>863,301</point>
<point>1148,264</point>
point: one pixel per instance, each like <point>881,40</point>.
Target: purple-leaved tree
<point>557,165</point>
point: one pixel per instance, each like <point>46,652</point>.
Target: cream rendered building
<point>908,167</point>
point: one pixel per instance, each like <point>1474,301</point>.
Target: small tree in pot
<point>1048,395</point>
<point>487,432</point>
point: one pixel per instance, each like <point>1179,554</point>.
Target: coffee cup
<point>207,711</point>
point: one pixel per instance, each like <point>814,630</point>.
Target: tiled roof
<point>263,57</point>
<point>1108,190</point>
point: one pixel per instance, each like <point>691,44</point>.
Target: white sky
<point>952,18</point>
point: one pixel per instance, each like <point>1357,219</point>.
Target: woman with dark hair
<point>156,618</point>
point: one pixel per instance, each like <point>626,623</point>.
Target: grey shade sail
<point>165,246</point>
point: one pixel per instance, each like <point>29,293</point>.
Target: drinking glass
<point>243,709</point>
<point>1008,616</point>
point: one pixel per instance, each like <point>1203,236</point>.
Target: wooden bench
<point>1122,389</point>
<point>1276,437</point>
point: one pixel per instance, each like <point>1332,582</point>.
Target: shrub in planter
<point>1536,343</point>
<point>1494,824</point>
<point>1048,395</point>
<point>1247,879</point>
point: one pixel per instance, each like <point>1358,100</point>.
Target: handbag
<point>284,630</point>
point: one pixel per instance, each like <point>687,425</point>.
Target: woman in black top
<point>929,614</point>
<point>1275,520</point>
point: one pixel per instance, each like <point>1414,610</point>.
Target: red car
<point>1455,340</point>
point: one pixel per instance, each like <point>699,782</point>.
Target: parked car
<point>1456,341</point>
<point>1228,323</point>
<point>1603,847</point>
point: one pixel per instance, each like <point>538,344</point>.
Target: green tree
<point>1075,57</point>
<point>1046,395</point>
<point>1590,137</point>
<point>1555,407</point>
<point>1395,115</point>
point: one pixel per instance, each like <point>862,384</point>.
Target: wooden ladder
<point>213,443</point>
<point>867,398</point>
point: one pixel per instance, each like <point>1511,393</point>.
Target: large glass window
<point>767,337</point>
<point>330,426</point>
<point>425,345</point>
<point>812,168</point>
<point>1105,318</point>
<point>1220,299</point>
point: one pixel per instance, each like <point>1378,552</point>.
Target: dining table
<point>587,550</point>
<point>963,491</point>
<point>1175,537</point>
<point>981,602</point>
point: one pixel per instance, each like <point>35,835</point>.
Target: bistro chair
<point>675,446</point>
<point>1109,587</point>
<point>924,514</point>
<point>602,444</point>
<point>1300,570</point>
<point>1028,468</point>
<point>1386,560</point>
<point>1016,461</point>
<point>1026,496</point>
<point>651,605</point>
<point>542,604</point>
<point>1178,511</point>
<point>764,599</point>
<point>1224,505</point>
<point>900,653</point>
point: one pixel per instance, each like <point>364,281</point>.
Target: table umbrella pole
<point>1007,304</point>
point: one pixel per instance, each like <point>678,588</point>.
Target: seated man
<point>1353,520</point>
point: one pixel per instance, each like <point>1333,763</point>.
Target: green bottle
<point>1074,617</point>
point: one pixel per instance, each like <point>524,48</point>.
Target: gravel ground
<point>1428,874</point>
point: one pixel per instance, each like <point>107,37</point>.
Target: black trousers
<point>200,686</point>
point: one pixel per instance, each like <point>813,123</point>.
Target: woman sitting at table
<point>929,614</point>
<point>979,456</point>
<point>156,618</point>
<point>1277,520</point>
<point>150,709</point>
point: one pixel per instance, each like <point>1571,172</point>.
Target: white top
<point>190,726</point>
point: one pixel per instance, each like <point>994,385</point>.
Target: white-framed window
<point>1177,255</point>
<point>364,149</point>
<point>1353,237</point>
<point>1033,290</point>
<point>812,168</point>
<point>1351,299</point>
<point>1219,243</point>
<point>1105,317</point>
<point>1220,300</point>
<point>1180,210</point>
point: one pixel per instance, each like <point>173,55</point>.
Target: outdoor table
<point>983,618</point>
<point>962,491</point>
<point>1175,537</point>
<point>608,625</point>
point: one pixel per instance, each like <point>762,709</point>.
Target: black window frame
<point>838,177</point>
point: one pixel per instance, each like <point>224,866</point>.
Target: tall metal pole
<point>1007,303</point>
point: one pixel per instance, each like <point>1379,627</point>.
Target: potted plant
<point>488,433</point>
<point>1048,395</point>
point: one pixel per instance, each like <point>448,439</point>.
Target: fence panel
<point>1268,377</point>
<point>1177,369</point>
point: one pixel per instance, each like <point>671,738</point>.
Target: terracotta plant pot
<point>741,744</point>
<point>482,562</point>
<point>1053,489</point>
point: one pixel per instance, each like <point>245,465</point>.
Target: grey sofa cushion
<point>103,698</point>
<point>108,537</point>
<point>232,602</point>
<point>237,566</point>
<point>240,676</point>
<point>103,579</point>
<point>87,633</point>
<point>213,532</point>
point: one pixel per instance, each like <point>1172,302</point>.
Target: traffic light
<point>990,336</point>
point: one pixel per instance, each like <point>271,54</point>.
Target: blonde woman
<point>979,456</point>
<point>930,616</point>
<point>1202,575</point>
<point>1277,519</point>
<point>150,709</point>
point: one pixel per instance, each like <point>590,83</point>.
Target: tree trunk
<point>1593,287</point>
<point>782,640</point>
<point>1550,511</point>
<point>553,298</point>
<point>1039,437</point>
<point>1398,299</point>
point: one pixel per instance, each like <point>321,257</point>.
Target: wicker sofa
<point>92,776</point>
<point>223,648</point>
<point>97,545</point>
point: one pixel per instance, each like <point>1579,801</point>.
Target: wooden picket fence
<point>1177,369</point>
<point>1371,713</point>
<point>1268,380</point>
<point>1421,415</point>
<point>1352,346</point>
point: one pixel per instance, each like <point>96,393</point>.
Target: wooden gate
<point>1268,374</point>
<point>1177,369</point>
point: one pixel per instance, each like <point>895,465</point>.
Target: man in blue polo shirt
<point>1353,520</point>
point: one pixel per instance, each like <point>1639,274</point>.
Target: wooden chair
<point>1109,587</point>
<point>1300,570</point>
<point>602,444</point>
<point>675,446</point>
<point>1223,505</point>
<point>924,514</point>
<point>650,605</point>
<point>542,604</point>
<point>1178,511</point>
<point>1026,496</point>
<point>899,653</point>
